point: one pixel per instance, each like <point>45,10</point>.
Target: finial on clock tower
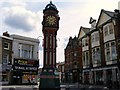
<point>50,6</point>
<point>51,1</point>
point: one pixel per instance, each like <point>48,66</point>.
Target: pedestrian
<point>28,81</point>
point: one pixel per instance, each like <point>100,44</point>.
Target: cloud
<point>73,14</point>
<point>22,19</point>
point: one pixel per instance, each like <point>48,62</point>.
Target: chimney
<point>92,22</point>
<point>6,34</point>
<point>116,11</point>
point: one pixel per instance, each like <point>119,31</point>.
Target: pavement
<point>19,87</point>
<point>64,86</point>
<point>77,86</point>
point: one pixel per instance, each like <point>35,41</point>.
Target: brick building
<point>5,57</point>
<point>101,49</point>
<point>73,60</point>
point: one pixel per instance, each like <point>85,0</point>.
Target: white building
<point>25,60</point>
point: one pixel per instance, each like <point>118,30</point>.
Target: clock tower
<point>49,77</point>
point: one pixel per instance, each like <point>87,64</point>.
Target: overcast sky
<point>24,17</point>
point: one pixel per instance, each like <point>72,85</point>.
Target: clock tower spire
<point>50,27</point>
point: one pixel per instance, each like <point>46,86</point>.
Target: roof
<point>5,37</point>
<point>86,30</point>
<point>73,42</point>
<point>14,36</point>
<point>108,13</point>
<point>50,6</point>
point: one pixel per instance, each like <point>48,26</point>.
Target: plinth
<point>49,79</point>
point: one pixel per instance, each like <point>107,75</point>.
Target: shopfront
<point>25,71</point>
<point>85,76</point>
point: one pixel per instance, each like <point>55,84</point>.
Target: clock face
<point>51,20</point>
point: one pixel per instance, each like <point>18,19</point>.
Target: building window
<point>105,30</point>
<point>86,58</point>
<point>85,42</point>
<point>5,58</point>
<point>113,51</point>
<point>107,49</point>
<point>108,29</point>
<point>96,55</point>
<point>6,45</point>
<point>26,51</point>
<point>93,56</point>
<point>110,51</point>
<point>95,37</point>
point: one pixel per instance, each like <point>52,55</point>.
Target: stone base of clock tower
<point>49,79</point>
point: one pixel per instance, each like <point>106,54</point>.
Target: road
<point>63,87</point>
<point>20,87</point>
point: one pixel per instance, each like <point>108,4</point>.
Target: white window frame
<point>85,60</point>
<point>96,55</point>
<point>115,52</point>
<point>109,48</point>
<point>109,29</point>
<point>8,45</point>
<point>26,51</point>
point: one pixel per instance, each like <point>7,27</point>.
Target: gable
<point>103,18</point>
<point>81,34</point>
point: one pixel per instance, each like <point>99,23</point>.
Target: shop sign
<point>25,68</point>
<point>24,62</point>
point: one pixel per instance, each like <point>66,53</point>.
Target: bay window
<point>110,51</point>
<point>108,29</point>
<point>86,58</point>
<point>96,56</point>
